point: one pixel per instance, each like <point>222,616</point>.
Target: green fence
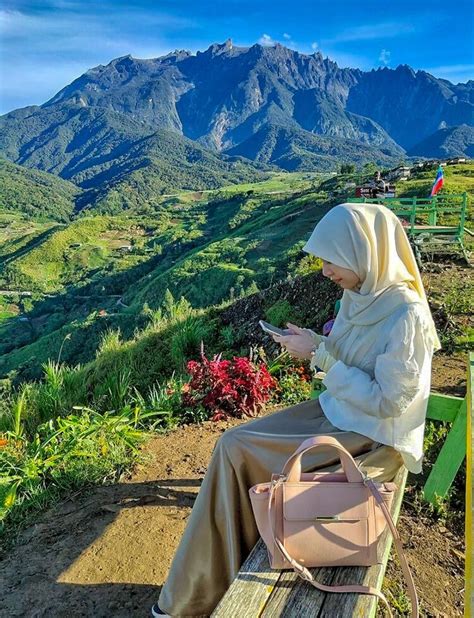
<point>434,225</point>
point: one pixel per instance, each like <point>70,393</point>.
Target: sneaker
<point>157,613</point>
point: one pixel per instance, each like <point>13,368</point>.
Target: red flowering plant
<point>227,387</point>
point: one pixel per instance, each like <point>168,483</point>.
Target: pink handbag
<point>314,519</point>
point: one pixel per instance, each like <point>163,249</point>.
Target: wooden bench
<point>259,591</point>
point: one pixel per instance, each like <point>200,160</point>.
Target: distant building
<point>399,173</point>
<point>376,188</point>
<point>457,160</point>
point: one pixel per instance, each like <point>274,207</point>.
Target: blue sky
<point>46,44</point>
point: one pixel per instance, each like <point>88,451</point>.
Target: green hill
<point>34,194</point>
<point>207,250</point>
<point>293,148</point>
<point>448,142</point>
<point>161,163</point>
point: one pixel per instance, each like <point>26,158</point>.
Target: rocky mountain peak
<point>218,48</point>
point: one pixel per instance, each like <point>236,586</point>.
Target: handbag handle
<point>292,467</point>
<point>305,574</point>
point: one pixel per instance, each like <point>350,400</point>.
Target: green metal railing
<point>434,224</point>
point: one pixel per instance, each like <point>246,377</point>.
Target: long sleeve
<point>317,338</point>
<point>398,373</point>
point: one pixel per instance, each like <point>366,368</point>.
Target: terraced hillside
<point>99,272</point>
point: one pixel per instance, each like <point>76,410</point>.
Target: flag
<point>438,183</point>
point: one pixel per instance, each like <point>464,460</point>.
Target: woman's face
<point>347,279</point>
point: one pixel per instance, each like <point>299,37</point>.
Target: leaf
<point>10,497</point>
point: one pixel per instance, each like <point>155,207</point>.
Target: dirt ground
<point>107,551</point>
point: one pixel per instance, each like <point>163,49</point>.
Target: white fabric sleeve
<point>316,337</point>
<point>397,373</point>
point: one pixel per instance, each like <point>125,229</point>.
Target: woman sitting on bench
<point>377,360</point>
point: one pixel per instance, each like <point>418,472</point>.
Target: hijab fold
<point>370,240</point>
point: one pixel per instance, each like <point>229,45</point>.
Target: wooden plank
<point>443,407</point>
<point>293,597</point>
<point>435,228</point>
<point>469,568</point>
<point>449,459</point>
<point>250,590</point>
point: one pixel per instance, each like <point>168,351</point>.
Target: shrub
<point>280,313</point>
<point>293,376</point>
<point>79,449</point>
<point>228,335</point>
<point>186,338</point>
<point>164,402</point>
<point>110,342</point>
<point>308,264</point>
<point>227,387</point>
<point>295,385</point>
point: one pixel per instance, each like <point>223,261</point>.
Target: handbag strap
<point>305,574</point>
<point>292,467</point>
<point>397,541</point>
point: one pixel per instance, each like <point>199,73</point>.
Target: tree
<point>369,168</point>
<point>348,168</point>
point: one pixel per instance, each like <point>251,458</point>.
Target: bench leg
<point>449,459</point>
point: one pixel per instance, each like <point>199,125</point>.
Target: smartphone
<point>274,330</point>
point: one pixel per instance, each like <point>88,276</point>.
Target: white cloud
<point>314,46</point>
<point>382,30</point>
<point>384,57</point>
<point>12,22</point>
<point>452,68</point>
<point>40,54</point>
<point>453,72</point>
<point>266,40</point>
<point>286,36</point>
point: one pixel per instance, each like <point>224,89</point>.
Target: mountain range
<point>226,114</point>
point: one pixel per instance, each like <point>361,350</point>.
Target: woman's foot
<point>158,613</point>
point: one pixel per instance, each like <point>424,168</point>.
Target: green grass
<point>457,179</point>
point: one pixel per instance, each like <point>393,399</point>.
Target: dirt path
<point>107,552</point>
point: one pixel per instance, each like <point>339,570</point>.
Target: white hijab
<point>369,240</point>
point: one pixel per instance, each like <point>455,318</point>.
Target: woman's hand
<point>300,343</point>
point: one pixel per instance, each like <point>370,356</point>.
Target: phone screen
<point>273,330</point>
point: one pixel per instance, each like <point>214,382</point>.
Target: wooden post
<point>449,459</point>
<point>413,217</point>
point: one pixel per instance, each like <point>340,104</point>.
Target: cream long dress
<point>221,530</point>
